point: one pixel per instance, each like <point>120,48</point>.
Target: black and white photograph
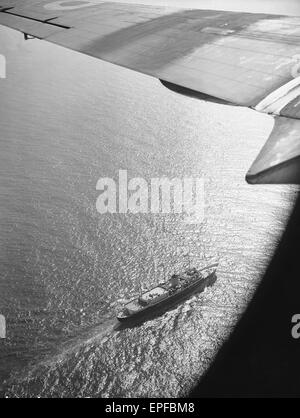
<point>149,201</point>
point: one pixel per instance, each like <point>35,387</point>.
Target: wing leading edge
<point>246,59</point>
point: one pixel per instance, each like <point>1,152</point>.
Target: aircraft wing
<point>246,59</point>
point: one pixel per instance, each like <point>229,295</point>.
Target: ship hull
<point>172,300</point>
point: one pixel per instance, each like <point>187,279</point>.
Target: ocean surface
<point>67,120</point>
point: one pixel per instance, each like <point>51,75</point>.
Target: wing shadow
<point>261,358</point>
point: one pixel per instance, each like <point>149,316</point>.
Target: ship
<point>167,294</point>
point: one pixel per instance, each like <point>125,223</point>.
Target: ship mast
<point>157,266</point>
<point>189,259</point>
